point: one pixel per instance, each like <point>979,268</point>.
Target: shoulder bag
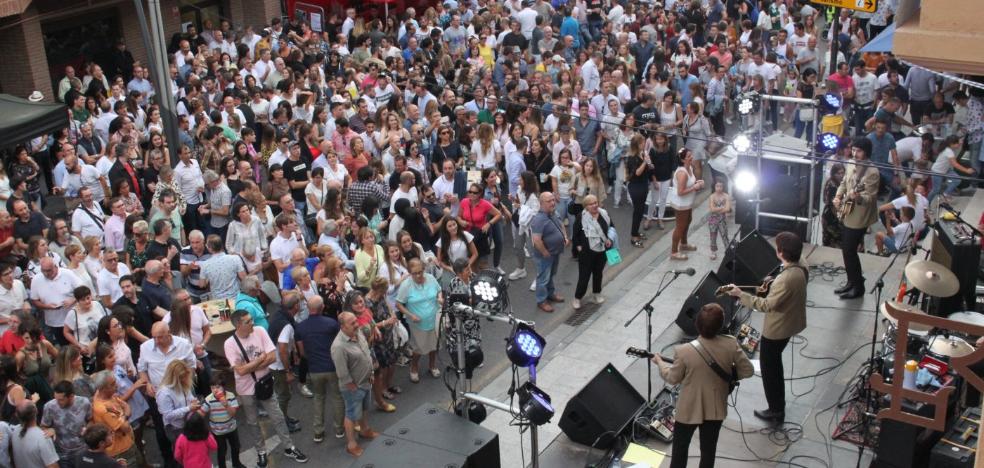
<point>731,379</point>
<point>263,385</point>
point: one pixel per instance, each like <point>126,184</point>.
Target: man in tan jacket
<point>704,393</point>
<point>860,188</point>
<point>785,315</point>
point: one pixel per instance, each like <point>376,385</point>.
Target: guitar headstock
<point>638,352</point>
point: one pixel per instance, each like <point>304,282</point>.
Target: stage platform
<point>838,331</point>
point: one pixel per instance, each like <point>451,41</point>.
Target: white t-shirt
<point>485,159</point>
<point>339,173</point>
<point>85,326</point>
<point>902,233</point>
<point>865,88</point>
<point>84,221</point>
<point>458,248</point>
<point>281,248</point>
<point>198,321</point>
<point>286,337</point>
<point>942,164</point>
<point>108,283</point>
<point>10,300</point>
<point>399,193</point>
<point>55,292</point>
<point>922,204</point>
<point>442,187</point>
<point>318,194</point>
<point>256,345</point>
<point>909,148</point>
<point>565,179</point>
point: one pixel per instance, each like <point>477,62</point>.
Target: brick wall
<point>23,65</point>
<point>12,7</point>
<point>252,12</point>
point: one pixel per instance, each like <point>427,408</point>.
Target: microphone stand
<point>868,392</point>
<point>648,309</point>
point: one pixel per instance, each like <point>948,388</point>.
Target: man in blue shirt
<point>586,129</point>
<point>549,240</point>
<point>570,27</point>
<point>314,337</point>
<point>681,83</point>
<point>883,152</point>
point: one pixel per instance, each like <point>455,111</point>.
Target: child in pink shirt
<point>195,444</point>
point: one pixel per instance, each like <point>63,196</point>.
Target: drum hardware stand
<point>867,391</point>
<point>648,309</point>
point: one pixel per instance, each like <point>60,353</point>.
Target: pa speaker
<point>432,427</point>
<point>748,261</point>
<point>392,452</point>
<point>704,293</point>
<point>601,410</point>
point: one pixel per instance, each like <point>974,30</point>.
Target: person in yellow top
<point>109,409</point>
<point>367,259</point>
<point>785,315</point>
<point>858,191</point>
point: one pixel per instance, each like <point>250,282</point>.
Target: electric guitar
<point>761,290</point>
<point>641,353</point>
<point>847,204</point>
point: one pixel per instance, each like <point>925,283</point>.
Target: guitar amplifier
<point>957,449</point>
<point>962,256</point>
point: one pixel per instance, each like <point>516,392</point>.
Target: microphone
<point>685,271</point>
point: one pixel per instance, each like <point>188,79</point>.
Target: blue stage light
<point>525,347</point>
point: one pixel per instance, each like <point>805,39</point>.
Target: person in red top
<point>842,77</point>
<point>6,234</point>
<point>357,158</point>
<point>473,216</point>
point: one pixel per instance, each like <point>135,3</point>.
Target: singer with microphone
<point>785,315</point>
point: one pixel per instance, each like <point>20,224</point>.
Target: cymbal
<point>915,328</point>
<point>950,347</point>
<point>932,278</point>
<point>971,317</point>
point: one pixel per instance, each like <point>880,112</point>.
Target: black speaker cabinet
<point>601,410</point>
<point>703,294</point>
<point>429,427</point>
<point>748,261</point>
<point>392,452</point>
<point>784,189</point>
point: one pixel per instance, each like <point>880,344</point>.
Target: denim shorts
<point>355,402</point>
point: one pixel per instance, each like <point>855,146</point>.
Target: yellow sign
<point>868,6</point>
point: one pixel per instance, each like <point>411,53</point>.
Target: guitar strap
<point>732,380</point>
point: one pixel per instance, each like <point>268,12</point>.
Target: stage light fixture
<point>830,103</point>
<point>827,142</point>
<point>474,357</point>
<point>476,411</point>
<point>748,103</point>
<point>534,404</point>
<point>741,143</point>
<point>488,292</point>
<point>745,182</point>
<point>525,346</point>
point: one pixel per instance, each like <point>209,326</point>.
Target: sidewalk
<point>575,354</point>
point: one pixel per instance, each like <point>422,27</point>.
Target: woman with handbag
<point>453,243</point>
<point>805,116</point>
<point>367,259</point>
<point>682,194</point>
<point>476,215</point>
<point>82,325</point>
<point>591,241</point>
<point>705,368</point>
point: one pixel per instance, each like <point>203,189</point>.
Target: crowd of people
<point>331,182</point>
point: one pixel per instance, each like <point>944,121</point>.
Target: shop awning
<point>882,42</point>
<point>22,120</point>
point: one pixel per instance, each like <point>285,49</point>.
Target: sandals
<point>688,247</point>
<point>386,407</point>
<point>678,256</point>
<point>388,395</point>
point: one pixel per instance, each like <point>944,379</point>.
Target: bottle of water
<point>616,463</point>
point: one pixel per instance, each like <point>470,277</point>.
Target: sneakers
<point>306,391</point>
<point>599,299</point>
<point>299,457</point>
<point>500,270</point>
<point>340,433</point>
<point>435,373</point>
<point>261,459</point>
<point>518,273</point>
<point>533,286</point>
<point>576,303</point>
<point>319,437</point>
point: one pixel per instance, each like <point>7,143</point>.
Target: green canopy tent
<point>22,120</point>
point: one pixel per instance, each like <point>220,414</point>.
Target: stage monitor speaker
<point>433,427</point>
<point>601,410</point>
<point>748,261</point>
<point>704,294</point>
<point>392,452</point>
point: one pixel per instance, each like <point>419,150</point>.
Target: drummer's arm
<point>979,342</point>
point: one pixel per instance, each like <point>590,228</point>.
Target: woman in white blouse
<point>244,228</point>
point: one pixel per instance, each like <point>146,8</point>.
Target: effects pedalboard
<point>660,415</point>
<point>748,337</point>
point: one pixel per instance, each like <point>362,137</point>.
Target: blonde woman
<point>486,150</point>
<point>175,398</point>
<point>589,182</point>
<point>367,259</point>
<point>68,366</point>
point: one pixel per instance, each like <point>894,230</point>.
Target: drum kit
<point>931,279</point>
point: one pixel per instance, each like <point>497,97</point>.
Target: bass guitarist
<point>785,315</point>
<point>857,204</point>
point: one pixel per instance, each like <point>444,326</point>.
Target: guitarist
<point>785,315</point>
<point>857,201</point>
<point>704,391</point>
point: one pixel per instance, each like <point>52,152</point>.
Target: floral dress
<point>384,349</point>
